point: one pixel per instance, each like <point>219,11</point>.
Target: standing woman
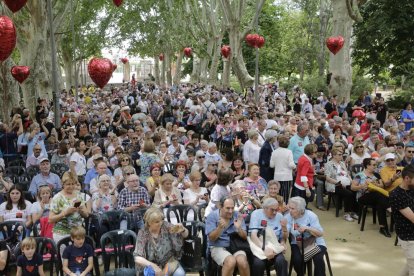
<point>147,159</point>
<point>251,148</point>
<point>68,208</point>
<point>303,186</point>
<point>16,208</point>
<point>282,161</point>
<point>407,117</point>
<point>78,161</point>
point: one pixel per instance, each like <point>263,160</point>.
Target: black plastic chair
<point>17,163</point>
<point>122,272</point>
<point>63,243</point>
<point>59,169</point>
<point>308,265</point>
<point>363,210</point>
<point>14,171</point>
<point>113,219</point>
<point>32,171</point>
<point>119,244</point>
<point>47,248</point>
<point>181,212</point>
<point>337,202</point>
<point>9,228</point>
<point>194,249</point>
<point>201,211</point>
<point>356,169</point>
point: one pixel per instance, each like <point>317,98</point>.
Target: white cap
<point>389,156</point>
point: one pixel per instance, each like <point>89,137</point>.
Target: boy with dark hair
<point>78,257</point>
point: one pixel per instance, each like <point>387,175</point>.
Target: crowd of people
<point>253,166</point>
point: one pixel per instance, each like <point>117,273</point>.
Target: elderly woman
<point>209,175</point>
<point>282,162</point>
<point>195,195</point>
<point>167,194</point>
<point>265,154</point>
<point>147,159</point>
<point>68,208</point>
<point>245,203</point>
<point>303,186</point>
<point>338,181</point>
<point>269,216</point>
<point>220,190</point>
<point>105,199</point>
<point>304,226</point>
<point>153,182</point>
<point>251,148</point>
<point>274,189</point>
<point>181,181</point>
<point>159,245</point>
<point>255,184</point>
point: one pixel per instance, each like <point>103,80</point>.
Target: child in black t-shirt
<point>78,257</point>
<point>3,257</point>
<point>29,263</point>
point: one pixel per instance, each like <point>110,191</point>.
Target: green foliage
<point>360,84</point>
<point>399,98</point>
<point>385,37</point>
<point>314,84</point>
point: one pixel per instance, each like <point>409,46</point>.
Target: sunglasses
<point>410,151</point>
<point>389,160</point>
<point>129,173</point>
<point>214,165</point>
<point>125,160</point>
<point>201,157</point>
<point>118,152</point>
<point>359,147</point>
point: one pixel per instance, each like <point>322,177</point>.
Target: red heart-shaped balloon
<point>225,51</point>
<point>161,57</point>
<point>100,71</point>
<point>20,73</point>
<point>188,51</point>
<point>335,43</point>
<point>7,37</point>
<point>252,39</point>
<point>15,5</point>
<point>260,42</point>
<point>124,60</point>
<point>118,2</point>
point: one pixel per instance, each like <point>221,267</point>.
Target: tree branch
<point>250,27</point>
<point>353,12</point>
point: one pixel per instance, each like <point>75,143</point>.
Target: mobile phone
<point>77,204</point>
<point>206,194</point>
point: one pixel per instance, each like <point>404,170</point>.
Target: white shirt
<point>282,161</point>
<point>80,161</point>
<point>251,152</point>
<point>15,213</point>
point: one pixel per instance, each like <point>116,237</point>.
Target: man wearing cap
<point>390,173</point>
<point>45,177</point>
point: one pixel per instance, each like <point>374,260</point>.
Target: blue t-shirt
<point>78,257</point>
<point>30,267</point>
<point>256,222</point>
<point>212,224</point>
<point>310,219</point>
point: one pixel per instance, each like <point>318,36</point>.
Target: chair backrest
<point>356,169</point>
<point>121,245</point>
<point>181,213</point>
<point>63,243</point>
<point>113,219</point>
<point>194,247</point>
<point>48,249</point>
<point>14,170</point>
<point>32,171</point>
<point>9,228</point>
<point>59,169</point>
<point>201,211</point>
<point>17,162</point>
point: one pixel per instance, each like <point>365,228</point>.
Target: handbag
<point>310,248</point>
<point>237,244</point>
<point>271,241</point>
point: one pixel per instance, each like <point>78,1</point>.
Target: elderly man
<point>260,219</point>
<point>299,141</point>
<point>132,198</point>
<point>92,172</point>
<point>212,154</point>
<point>45,177</point>
<point>219,225</point>
<point>34,159</point>
<point>390,173</point>
<point>101,169</point>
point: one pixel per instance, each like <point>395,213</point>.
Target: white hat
<point>389,156</point>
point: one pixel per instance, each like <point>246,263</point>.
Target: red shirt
<point>304,168</point>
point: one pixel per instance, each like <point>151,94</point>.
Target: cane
<point>303,256</point>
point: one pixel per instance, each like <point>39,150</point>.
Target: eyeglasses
<point>201,157</point>
<point>174,140</point>
<point>214,164</point>
<point>134,138</point>
<point>118,152</point>
<point>389,160</point>
<point>359,147</point>
<point>410,151</point>
<point>129,173</point>
<point>273,210</point>
<point>126,159</point>
<point>134,181</point>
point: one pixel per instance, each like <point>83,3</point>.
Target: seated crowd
<point>252,168</point>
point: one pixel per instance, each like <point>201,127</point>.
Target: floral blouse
<point>146,161</point>
<point>257,188</point>
<point>106,203</point>
<point>160,250</point>
<point>59,204</point>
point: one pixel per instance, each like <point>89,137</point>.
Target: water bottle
<point>78,272</point>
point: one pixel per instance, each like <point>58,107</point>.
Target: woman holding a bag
<point>268,235</point>
<point>307,237</point>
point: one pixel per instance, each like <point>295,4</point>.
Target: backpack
<point>204,117</point>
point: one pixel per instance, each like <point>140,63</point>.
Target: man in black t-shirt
<point>402,205</point>
<point>3,257</point>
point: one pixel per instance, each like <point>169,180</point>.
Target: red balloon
<point>161,57</point>
<point>260,42</point>
<point>100,70</point>
<point>250,40</point>
<point>15,5</point>
<point>7,37</point>
<point>20,73</point>
<point>124,60</point>
<point>188,51</point>
<point>118,2</point>
<point>114,66</point>
<point>225,51</point>
<point>335,43</point>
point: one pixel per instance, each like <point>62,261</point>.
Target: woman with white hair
<point>269,217</point>
<point>265,154</point>
<point>251,149</point>
<point>304,228</point>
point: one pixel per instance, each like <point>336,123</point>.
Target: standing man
<point>402,205</point>
<point>299,141</point>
